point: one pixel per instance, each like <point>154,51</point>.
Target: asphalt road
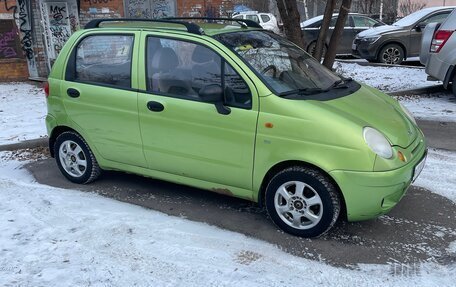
<point>440,135</point>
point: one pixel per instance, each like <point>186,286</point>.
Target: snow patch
<point>437,107</point>
<point>387,79</point>
<point>439,173</point>
<point>22,112</point>
<point>57,237</point>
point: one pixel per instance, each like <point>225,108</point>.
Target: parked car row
<point>374,41</point>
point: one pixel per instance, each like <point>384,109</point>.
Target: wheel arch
<point>400,44</point>
<point>58,130</point>
<point>289,163</point>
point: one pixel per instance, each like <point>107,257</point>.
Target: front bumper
<point>370,194</point>
<point>363,49</point>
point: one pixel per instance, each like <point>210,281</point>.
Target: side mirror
<point>378,24</point>
<point>420,27</point>
<point>214,94</point>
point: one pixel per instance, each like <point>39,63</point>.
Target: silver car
<point>438,51</point>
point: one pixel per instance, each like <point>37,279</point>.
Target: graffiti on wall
<point>139,9</point>
<point>9,40</point>
<point>6,45</point>
<point>59,25</point>
<point>151,8</point>
<point>21,13</point>
<point>163,8</point>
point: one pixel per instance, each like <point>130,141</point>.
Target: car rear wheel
<point>391,54</point>
<point>302,201</point>
<point>75,159</point>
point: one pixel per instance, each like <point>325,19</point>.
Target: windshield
<point>285,68</point>
<point>412,18</point>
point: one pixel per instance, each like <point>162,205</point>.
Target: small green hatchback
<point>223,105</point>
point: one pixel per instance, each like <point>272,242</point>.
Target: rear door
<point>100,96</point>
<point>182,134</point>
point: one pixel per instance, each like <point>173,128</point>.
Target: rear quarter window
<point>104,60</point>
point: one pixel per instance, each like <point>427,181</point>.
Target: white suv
<point>438,51</point>
<point>266,20</point>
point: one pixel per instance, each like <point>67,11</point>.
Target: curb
<point>419,91</point>
<point>41,142</point>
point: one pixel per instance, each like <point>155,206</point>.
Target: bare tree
<point>288,10</point>
<point>318,52</point>
<point>337,33</point>
<point>407,7</point>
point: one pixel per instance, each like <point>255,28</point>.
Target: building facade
<point>32,32</point>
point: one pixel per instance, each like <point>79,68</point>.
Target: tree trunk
<point>288,10</point>
<point>337,33</point>
<point>318,53</point>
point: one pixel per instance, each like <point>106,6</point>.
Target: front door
<point>183,134</point>
<point>99,98</point>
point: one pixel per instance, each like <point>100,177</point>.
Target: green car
<point>226,106</point>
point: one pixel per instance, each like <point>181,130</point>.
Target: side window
<point>105,59</point>
<point>332,24</point>
<point>237,93</point>
<point>238,17</point>
<point>265,18</point>
<point>439,18</point>
<point>180,69</point>
<point>253,18</point>
<point>363,22</point>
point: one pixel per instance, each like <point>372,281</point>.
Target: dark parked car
<point>392,44</point>
<point>354,24</point>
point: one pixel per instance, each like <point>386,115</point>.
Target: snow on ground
<point>437,107</point>
<point>22,112</point>
<point>387,79</point>
<point>58,237</point>
<point>439,174</point>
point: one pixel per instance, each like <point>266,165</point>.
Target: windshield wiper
<point>303,91</point>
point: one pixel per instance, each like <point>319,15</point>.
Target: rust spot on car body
<point>224,191</point>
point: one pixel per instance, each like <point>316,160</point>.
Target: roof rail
<point>191,27</point>
<point>242,22</point>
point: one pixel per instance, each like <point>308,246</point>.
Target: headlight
<point>371,40</point>
<point>408,113</point>
<point>377,142</point>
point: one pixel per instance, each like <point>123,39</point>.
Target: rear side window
<point>105,60</point>
<point>265,18</point>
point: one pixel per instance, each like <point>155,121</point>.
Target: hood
<point>380,30</point>
<point>373,108</point>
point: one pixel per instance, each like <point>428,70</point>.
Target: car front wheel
<point>75,159</point>
<point>302,201</point>
<point>391,54</point>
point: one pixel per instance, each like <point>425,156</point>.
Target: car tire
<point>302,201</point>
<point>312,46</point>
<point>391,54</point>
<point>75,159</point>
<point>453,84</point>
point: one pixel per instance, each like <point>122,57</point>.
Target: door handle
<point>155,106</point>
<point>73,93</point>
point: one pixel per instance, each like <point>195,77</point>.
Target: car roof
<point>182,25</point>
<point>320,17</point>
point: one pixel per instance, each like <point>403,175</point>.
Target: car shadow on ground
<point>418,230</point>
